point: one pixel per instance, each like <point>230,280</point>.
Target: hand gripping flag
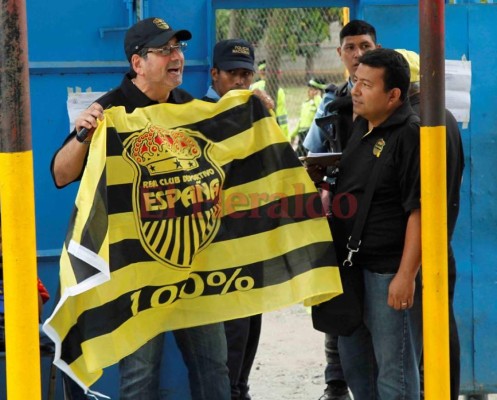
<point>186,215</point>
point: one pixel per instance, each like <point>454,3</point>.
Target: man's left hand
<point>401,292</point>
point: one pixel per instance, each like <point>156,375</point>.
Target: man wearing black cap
<point>233,68</point>
<point>155,53</point>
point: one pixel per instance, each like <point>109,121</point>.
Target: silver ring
<point>403,304</point>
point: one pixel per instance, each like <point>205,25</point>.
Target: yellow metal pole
<point>346,20</point>
<point>434,201</point>
<point>17,202</point>
<point>346,15</point>
<point>19,276</point>
<point>434,261</point>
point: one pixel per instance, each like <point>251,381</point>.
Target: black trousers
<point>242,336</point>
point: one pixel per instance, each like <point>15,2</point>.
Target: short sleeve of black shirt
<point>407,159</point>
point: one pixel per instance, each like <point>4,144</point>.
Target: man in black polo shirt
<point>381,358</point>
<point>154,51</point>
<point>330,131</point>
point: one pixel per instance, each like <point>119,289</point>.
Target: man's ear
<point>214,74</point>
<point>136,63</point>
<point>395,94</point>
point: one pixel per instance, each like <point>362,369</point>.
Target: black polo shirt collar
<point>399,116</point>
<point>138,99</point>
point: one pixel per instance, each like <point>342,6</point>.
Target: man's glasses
<point>167,50</point>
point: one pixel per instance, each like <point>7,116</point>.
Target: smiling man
<point>381,358</point>
<point>155,53</point>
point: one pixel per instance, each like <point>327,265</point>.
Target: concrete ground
<point>290,361</point>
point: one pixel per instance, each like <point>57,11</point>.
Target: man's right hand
<point>265,98</point>
<point>70,159</point>
<point>89,119</point>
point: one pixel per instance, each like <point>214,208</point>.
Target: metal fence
<point>296,44</point>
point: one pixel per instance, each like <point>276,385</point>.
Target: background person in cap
<point>233,68</point>
<point>356,38</point>
<point>155,53</point>
<point>315,89</point>
<point>455,168</point>
<point>281,111</point>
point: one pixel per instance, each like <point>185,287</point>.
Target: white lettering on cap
<point>241,50</point>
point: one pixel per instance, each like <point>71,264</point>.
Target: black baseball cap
<point>151,32</point>
<point>233,53</point>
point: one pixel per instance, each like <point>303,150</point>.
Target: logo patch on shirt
<point>378,147</point>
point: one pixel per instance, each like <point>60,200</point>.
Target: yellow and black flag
<point>186,215</point>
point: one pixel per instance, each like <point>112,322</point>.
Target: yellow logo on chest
<point>378,147</point>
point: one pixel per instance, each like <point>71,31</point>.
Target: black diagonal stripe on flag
<point>121,195</point>
<point>272,158</point>
<point>230,123</point>
<point>96,227</point>
<point>290,210</point>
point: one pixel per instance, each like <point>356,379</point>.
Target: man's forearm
<point>411,256</point>
<point>69,161</point>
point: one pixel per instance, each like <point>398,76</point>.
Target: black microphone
<point>82,135</point>
<point>83,132</point>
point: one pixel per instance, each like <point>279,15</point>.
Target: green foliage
<point>289,39</point>
<point>297,31</point>
<point>222,24</point>
<point>250,24</point>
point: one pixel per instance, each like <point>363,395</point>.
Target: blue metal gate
<point>78,45</point>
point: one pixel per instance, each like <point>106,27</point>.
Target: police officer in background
<point>315,89</point>
<point>281,111</point>
<point>232,69</point>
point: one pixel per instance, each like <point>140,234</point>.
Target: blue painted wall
<point>66,54</point>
